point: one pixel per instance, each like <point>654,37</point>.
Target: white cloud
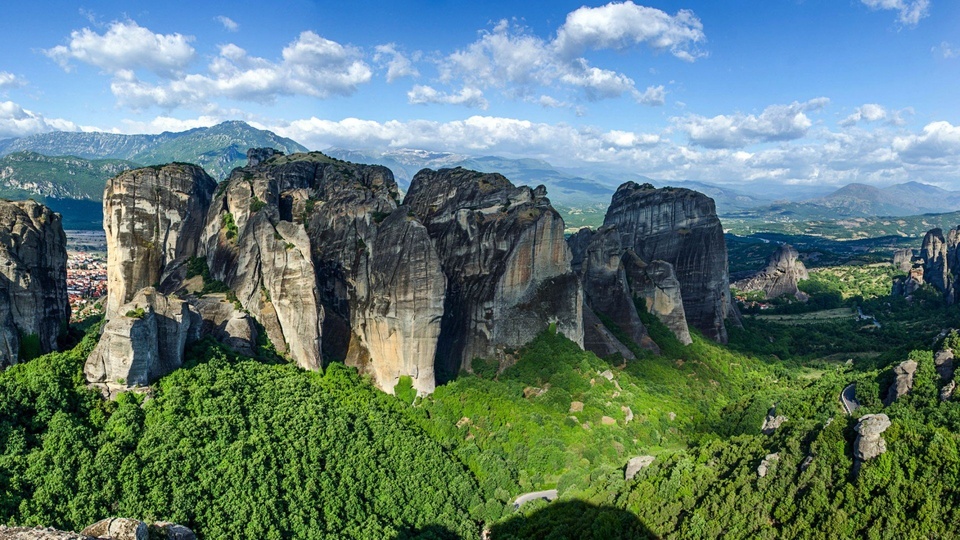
<point>311,66</point>
<point>775,123</point>
<point>622,25</point>
<point>939,143</point>
<point>946,50</point>
<point>15,121</point>
<point>468,97</point>
<point>126,46</point>
<point>510,58</point>
<point>228,24</point>
<point>9,80</point>
<point>870,112</point>
<point>398,65</point>
<point>909,12</point>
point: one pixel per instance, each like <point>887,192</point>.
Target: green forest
<point>238,447</point>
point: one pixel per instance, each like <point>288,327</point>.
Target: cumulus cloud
<point>9,80</point>
<point>469,97</point>
<point>909,12</point>
<point>228,24</point>
<point>775,123</point>
<point>15,121</point>
<point>622,25</point>
<point>510,58</point>
<point>311,66</point>
<point>939,142</point>
<point>397,64</point>
<point>870,112</point>
<point>126,46</point>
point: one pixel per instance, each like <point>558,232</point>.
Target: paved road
<point>549,495</point>
<point>849,398</point>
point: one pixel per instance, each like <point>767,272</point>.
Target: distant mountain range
<point>218,149</point>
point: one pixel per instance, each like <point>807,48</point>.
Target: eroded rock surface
<point>781,275</point>
<point>152,217</point>
<point>903,259</point>
<point>33,278</point>
<point>656,283</point>
<point>869,443</point>
<point>767,464</point>
<point>681,227</point>
<point>144,340</point>
<point>903,381</point>
<point>506,263</point>
<point>118,529</point>
<point>636,464</point>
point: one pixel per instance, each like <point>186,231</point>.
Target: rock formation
<point>635,465</point>
<point>153,217</point>
<point>143,341</point>
<point>33,279</point>
<point>680,227</point>
<point>869,443</point>
<point>772,422</point>
<point>767,463</point>
<point>598,260</point>
<point>780,277</point>
<point>903,382</point>
<point>938,264</point>
<point>903,259</point>
<point>105,529</point>
<point>656,283</point>
<point>506,263</point>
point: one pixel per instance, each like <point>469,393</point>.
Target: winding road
<point>849,398</point>
<point>548,495</point>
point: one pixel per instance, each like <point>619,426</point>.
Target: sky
<point>741,92</point>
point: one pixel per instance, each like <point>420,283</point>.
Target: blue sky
<point>740,92</point>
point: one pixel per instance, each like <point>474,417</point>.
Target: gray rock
<point>903,259</point>
<point>946,393</point>
<point>681,227</point>
<point>869,442</point>
<point>807,461</point>
<point>152,217</point>
<point>118,529</point>
<point>171,531</point>
<point>768,462</point>
<point>943,360</point>
<point>772,422</point>
<point>38,533</point>
<point>144,341</point>
<point>780,277</point>
<point>903,382</point>
<point>33,278</point>
<point>656,283</point>
<point>506,261</point>
<point>635,465</point>
<point>224,322</point>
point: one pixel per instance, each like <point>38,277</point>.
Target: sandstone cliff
<point>680,227</point>
<point>153,217</point>
<point>780,277</point>
<point>506,263</point>
<point>33,278</point>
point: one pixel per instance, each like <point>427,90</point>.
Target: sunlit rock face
<point>780,277</point>
<point>680,227</point>
<point>33,278</point>
<point>506,263</point>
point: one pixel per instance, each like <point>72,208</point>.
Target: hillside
<point>29,174</point>
<point>218,149</point>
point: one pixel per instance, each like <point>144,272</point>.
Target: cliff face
<point>656,283</point>
<point>506,263</point>
<point>680,227</point>
<point>781,275</point>
<point>938,264</point>
<point>153,218</point>
<point>33,278</point>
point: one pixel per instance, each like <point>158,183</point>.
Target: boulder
<point>946,393</point>
<point>118,529</point>
<point>903,381</point>
<point>768,462</point>
<point>635,465</point>
<point>164,530</point>
<point>38,533</point>
<point>943,360</point>
<point>772,422</point>
<point>506,262</point>
<point>33,279</point>
<point>144,340</point>
<point>152,218</point>
<point>780,277</point>
<point>680,227</point>
<point>869,442</point>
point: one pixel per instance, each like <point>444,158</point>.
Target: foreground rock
<point>869,443</point>
<point>767,464</point>
<point>106,529</point>
<point>506,263</point>
<point>635,465</point>
<point>680,227</point>
<point>33,280</point>
<point>780,277</point>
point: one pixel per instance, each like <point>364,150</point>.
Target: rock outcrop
<point>869,443</point>
<point>598,260</point>
<point>635,465</point>
<point>772,422</point>
<point>143,341</point>
<point>780,277</point>
<point>680,227</point>
<point>937,264</point>
<point>152,217</point>
<point>767,464</point>
<point>903,381</point>
<point>118,529</point>
<point>105,529</point>
<point>656,283</point>
<point>33,279</point>
<point>903,259</point>
<point>506,263</point>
